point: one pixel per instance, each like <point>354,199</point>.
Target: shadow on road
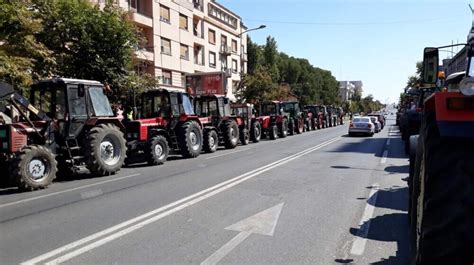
<point>398,169</point>
<point>390,227</point>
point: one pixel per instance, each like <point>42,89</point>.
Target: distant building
<point>358,87</point>
<point>346,90</point>
<point>188,36</point>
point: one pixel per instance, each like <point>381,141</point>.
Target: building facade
<point>188,36</point>
<point>346,90</point>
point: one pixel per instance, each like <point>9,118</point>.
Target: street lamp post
<point>242,64</point>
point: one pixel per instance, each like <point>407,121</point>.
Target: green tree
<point>416,79</point>
<point>19,47</point>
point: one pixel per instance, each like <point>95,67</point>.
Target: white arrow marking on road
<point>262,223</point>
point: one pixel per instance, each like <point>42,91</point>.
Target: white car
<point>378,125</point>
<point>361,125</point>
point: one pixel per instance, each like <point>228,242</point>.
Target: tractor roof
<point>5,90</point>
<point>60,80</point>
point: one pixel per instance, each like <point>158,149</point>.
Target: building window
<point>234,66</point>
<point>183,22</point>
<point>223,40</point>
<point>164,14</point>
<point>166,77</point>
<point>212,59</point>
<point>184,52</point>
<point>165,46</point>
<point>212,36</point>
<point>234,46</point>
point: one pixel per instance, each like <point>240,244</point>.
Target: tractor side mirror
<point>430,65</point>
<point>81,90</point>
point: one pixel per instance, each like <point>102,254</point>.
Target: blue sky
<point>376,41</point>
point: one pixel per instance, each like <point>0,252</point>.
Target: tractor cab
<point>291,107</point>
<point>70,103</point>
<point>166,103</point>
<point>216,106</point>
<point>271,108</point>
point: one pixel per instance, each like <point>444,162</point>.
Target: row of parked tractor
<point>67,126</point>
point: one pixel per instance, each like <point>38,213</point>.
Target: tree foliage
<point>416,79</point>
<point>70,39</point>
<point>273,74</point>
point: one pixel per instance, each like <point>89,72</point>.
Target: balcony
<point>145,55</point>
<point>185,3</point>
<point>244,57</point>
<point>141,19</point>
<point>225,50</point>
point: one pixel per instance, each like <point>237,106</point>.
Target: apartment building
<point>188,36</point>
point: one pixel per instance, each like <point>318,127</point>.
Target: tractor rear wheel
<point>231,134</point>
<point>244,136</point>
<point>190,139</point>
<point>256,132</point>
<point>273,131</point>
<point>211,141</point>
<point>34,168</point>
<point>445,206</point>
<point>157,150</point>
<point>105,150</point>
<point>283,128</point>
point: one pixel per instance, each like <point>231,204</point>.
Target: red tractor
<point>441,187</point>
<point>67,123</point>
<point>250,123</point>
<point>273,119</point>
<point>167,121</point>
<point>213,109</point>
<point>318,120</point>
<point>296,118</point>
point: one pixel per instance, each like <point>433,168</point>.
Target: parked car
<point>380,118</point>
<point>378,125</point>
<point>361,125</point>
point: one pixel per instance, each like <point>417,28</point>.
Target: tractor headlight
<point>467,86</point>
<point>5,146</point>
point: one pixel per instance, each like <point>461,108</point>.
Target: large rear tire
<point>157,150</point>
<point>256,132</point>
<point>230,134</point>
<point>445,207</point>
<point>105,150</point>
<point>34,168</point>
<point>273,131</point>
<point>190,139</point>
<point>211,141</point>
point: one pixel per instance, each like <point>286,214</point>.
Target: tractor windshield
<point>187,105</point>
<point>206,107</point>
<point>289,107</point>
<point>269,109</point>
<point>100,102</point>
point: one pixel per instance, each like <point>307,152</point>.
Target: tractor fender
<point>105,120</point>
<point>159,131</point>
<point>413,143</point>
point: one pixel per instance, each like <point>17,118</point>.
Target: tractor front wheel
<point>157,150</point>
<point>34,168</point>
<point>256,132</point>
<point>231,134</point>
<point>273,131</point>
<point>105,150</point>
<point>283,128</point>
<point>190,139</point>
<point>211,141</point>
<point>244,136</point>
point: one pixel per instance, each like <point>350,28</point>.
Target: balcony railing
<point>225,50</point>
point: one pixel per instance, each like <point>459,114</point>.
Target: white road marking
<point>384,157</point>
<point>388,142</point>
<point>68,190</point>
<point>358,246</point>
<point>162,212</point>
<point>263,223</point>
<point>229,153</point>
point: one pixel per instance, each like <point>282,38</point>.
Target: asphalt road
<point>316,198</point>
